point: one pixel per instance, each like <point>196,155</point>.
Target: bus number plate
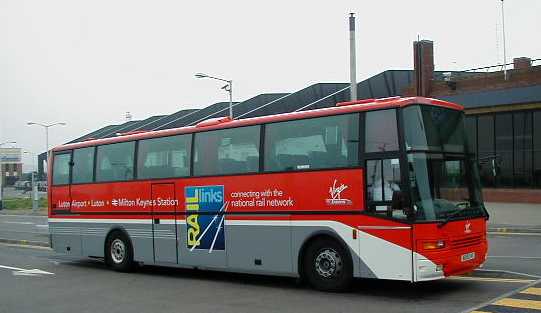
<point>468,256</point>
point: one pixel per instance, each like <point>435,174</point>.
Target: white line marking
<point>25,216</point>
<point>44,225</point>
<point>21,223</point>
<point>24,272</point>
<point>514,257</point>
<point>507,272</point>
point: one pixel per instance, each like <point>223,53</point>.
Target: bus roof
<point>225,122</point>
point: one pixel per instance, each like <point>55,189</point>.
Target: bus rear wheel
<point>119,252</point>
<point>327,266</point>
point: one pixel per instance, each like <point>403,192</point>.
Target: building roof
<point>517,95</point>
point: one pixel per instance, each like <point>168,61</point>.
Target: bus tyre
<point>327,266</point>
<point>119,252</point>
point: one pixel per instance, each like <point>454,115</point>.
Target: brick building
<point>503,120</point>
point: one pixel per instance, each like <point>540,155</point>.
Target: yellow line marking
<point>488,279</point>
<point>532,291</point>
<point>516,303</point>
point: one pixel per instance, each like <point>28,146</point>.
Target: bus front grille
<point>466,241</point>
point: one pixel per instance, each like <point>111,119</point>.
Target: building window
<point>471,133</point>
<point>504,149</point>
<point>115,162</point>
<point>61,169</point>
<point>164,157</point>
<point>537,149</point>
<point>83,165</point>
<point>487,159</point>
<point>316,143</point>
<point>523,148</point>
<point>227,151</point>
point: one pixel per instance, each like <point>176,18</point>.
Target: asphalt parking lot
<point>34,279</point>
<point>40,281</point>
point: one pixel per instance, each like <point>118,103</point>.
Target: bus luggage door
<point>164,232</point>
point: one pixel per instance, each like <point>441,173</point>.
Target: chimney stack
<point>423,53</point>
<point>522,63</point>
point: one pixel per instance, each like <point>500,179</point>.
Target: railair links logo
<point>205,208</point>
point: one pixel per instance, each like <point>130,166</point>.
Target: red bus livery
<point>382,189</point>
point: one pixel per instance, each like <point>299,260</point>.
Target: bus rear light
<point>433,245</point>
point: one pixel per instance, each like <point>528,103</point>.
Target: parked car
<point>42,185</point>
<point>22,185</point>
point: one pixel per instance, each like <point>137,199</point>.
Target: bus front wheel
<point>119,252</point>
<point>327,265</point>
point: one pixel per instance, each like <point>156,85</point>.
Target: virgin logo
<point>335,192</point>
<point>467,228</point>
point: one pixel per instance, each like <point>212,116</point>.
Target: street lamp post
<point>46,126</point>
<point>2,174</point>
<point>34,195</point>
<point>228,88</point>
<point>504,45</point>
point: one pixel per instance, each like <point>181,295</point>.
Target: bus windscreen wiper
<point>450,216</point>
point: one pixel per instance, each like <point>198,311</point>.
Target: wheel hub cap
<point>328,263</point>
<point>118,251</point>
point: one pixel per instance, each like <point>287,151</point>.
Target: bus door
<point>384,180</point>
<point>164,210</point>
<point>60,186</point>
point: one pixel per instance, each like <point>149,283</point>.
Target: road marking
<point>20,223</point>
<point>479,312</point>
<point>513,234</point>
<point>532,291</point>
<point>506,272</point>
<point>44,225</point>
<point>508,302</point>
<point>519,303</point>
<point>489,279</point>
<point>24,272</point>
<point>22,215</point>
<point>514,257</point>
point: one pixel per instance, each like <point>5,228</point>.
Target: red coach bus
<point>384,189</point>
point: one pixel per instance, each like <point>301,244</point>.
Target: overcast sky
<point>88,62</point>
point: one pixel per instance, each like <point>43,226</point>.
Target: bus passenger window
<point>61,169</point>
<point>115,162</point>
<point>83,165</point>
<point>164,157</point>
<point>227,151</point>
<point>381,133</point>
<point>382,181</point>
<point>317,143</point>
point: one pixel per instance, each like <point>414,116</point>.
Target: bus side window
<point>83,165</point>
<point>164,157</point>
<point>382,181</point>
<point>381,131</point>
<point>316,143</point>
<point>227,151</point>
<point>115,162</point>
<point>61,169</point>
